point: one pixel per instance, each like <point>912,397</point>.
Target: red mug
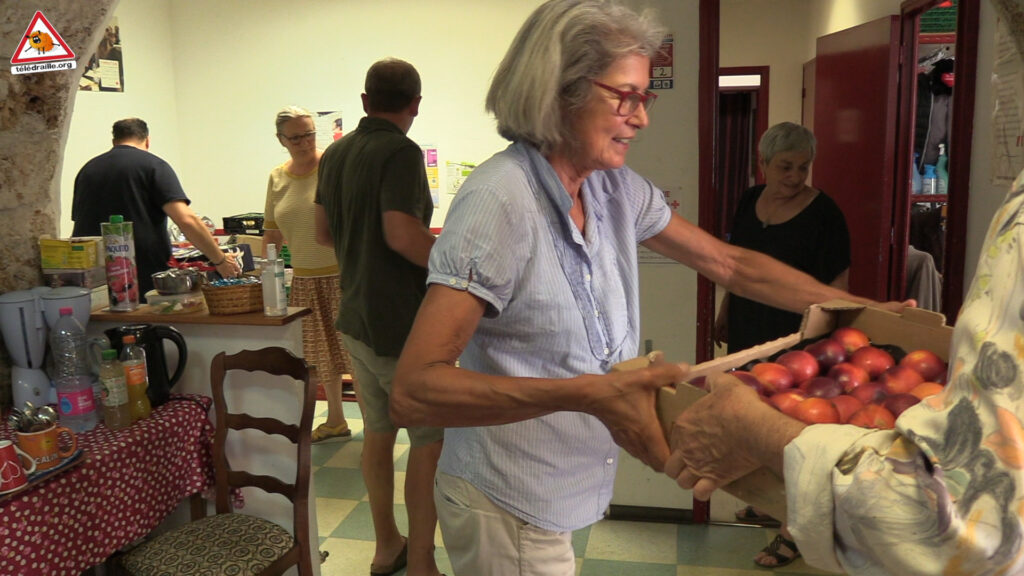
<point>13,473</point>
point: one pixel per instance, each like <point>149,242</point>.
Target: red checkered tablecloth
<point>130,481</point>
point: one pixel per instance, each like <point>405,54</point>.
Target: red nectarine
<point>827,352</point>
<point>873,416</point>
<point>900,380</point>
<point>786,401</point>
<point>846,405</point>
<point>774,377</point>
<point>926,363</point>
<point>874,360</point>
<point>869,392</point>
<point>816,411</point>
<point>850,338</point>
<point>849,375</point>
<point>801,364</point>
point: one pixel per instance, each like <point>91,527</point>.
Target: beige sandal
<point>325,433</point>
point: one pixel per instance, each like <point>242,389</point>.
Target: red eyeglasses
<point>630,100</point>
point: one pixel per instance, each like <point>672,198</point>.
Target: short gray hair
<point>545,77</point>
<point>290,113</point>
<point>786,137</point>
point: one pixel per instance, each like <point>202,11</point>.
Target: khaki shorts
<point>482,538</point>
<point>373,377</point>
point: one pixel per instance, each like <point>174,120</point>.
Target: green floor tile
<point>592,567</point>
<point>345,483</point>
<point>721,546</point>
<point>358,525</point>
<point>579,541</point>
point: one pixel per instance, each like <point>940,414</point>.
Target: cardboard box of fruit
<point>894,359</point>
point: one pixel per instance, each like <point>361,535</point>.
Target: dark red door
<point>855,97</point>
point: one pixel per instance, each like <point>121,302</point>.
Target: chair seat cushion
<point>221,544</point>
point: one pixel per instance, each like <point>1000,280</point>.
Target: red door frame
<point>960,138</point>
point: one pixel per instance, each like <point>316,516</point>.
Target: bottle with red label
<point>122,274</point>
<point>136,377</point>
<point>75,400</point>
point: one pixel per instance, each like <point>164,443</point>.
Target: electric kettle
<point>151,337</point>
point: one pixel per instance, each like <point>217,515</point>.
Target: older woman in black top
<point>790,221</point>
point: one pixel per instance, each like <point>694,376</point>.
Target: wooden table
<point>127,483</point>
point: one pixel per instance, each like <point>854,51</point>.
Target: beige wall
<point>782,34</point>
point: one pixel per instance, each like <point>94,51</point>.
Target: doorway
<point>894,275</point>
<point>742,118</point>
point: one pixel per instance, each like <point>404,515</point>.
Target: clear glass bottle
<point>75,400</point>
<point>136,376</point>
<point>117,413</point>
<point>275,298</point>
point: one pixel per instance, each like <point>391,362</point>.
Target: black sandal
<point>750,516</point>
<point>776,552</point>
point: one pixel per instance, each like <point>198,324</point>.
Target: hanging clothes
<point>934,112</point>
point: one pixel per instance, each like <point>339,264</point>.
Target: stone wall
<point>35,113</point>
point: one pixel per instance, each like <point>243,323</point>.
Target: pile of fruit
<point>845,379</point>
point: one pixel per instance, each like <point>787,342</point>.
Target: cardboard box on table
<point>914,329</point>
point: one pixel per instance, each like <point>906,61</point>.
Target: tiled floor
<point>608,548</point>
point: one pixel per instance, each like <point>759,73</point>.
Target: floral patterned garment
<point>944,492</point>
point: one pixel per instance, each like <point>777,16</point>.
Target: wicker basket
<point>237,299</point>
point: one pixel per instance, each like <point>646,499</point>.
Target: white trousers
<point>484,540</point>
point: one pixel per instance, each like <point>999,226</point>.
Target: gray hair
<point>545,77</point>
<point>290,113</point>
<point>786,137</point>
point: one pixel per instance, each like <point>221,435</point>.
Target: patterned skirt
<point>321,341</point>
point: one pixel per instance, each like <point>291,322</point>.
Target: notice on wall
<point>646,255</point>
<point>329,128</point>
<point>105,71</point>
<point>1008,109</point>
<point>662,65</point>
<point>457,172</point>
<point>433,177</point>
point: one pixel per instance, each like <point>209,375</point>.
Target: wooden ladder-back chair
<point>226,541</point>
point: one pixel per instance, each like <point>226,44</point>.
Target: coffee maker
<point>24,330</point>
<point>26,317</point>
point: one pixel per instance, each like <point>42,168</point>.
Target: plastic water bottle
<point>136,377</point>
<point>942,171</point>
<point>116,412</point>
<point>75,400</point>
<point>275,301</point>
<point>929,184</point>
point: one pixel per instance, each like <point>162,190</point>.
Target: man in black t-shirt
<point>130,181</point>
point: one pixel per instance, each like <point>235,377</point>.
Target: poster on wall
<point>433,178</point>
<point>457,172</point>
<point>1008,109</point>
<point>646,255</point>
<point>105,72</point>
<point>662,66</point>
<point>329,128</point>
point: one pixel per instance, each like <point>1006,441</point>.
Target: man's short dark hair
<point>391,85</point>
<point>130,129</point>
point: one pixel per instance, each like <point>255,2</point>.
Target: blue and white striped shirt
<point>558,305</point>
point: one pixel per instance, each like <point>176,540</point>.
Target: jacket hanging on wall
<point>934,111</point>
